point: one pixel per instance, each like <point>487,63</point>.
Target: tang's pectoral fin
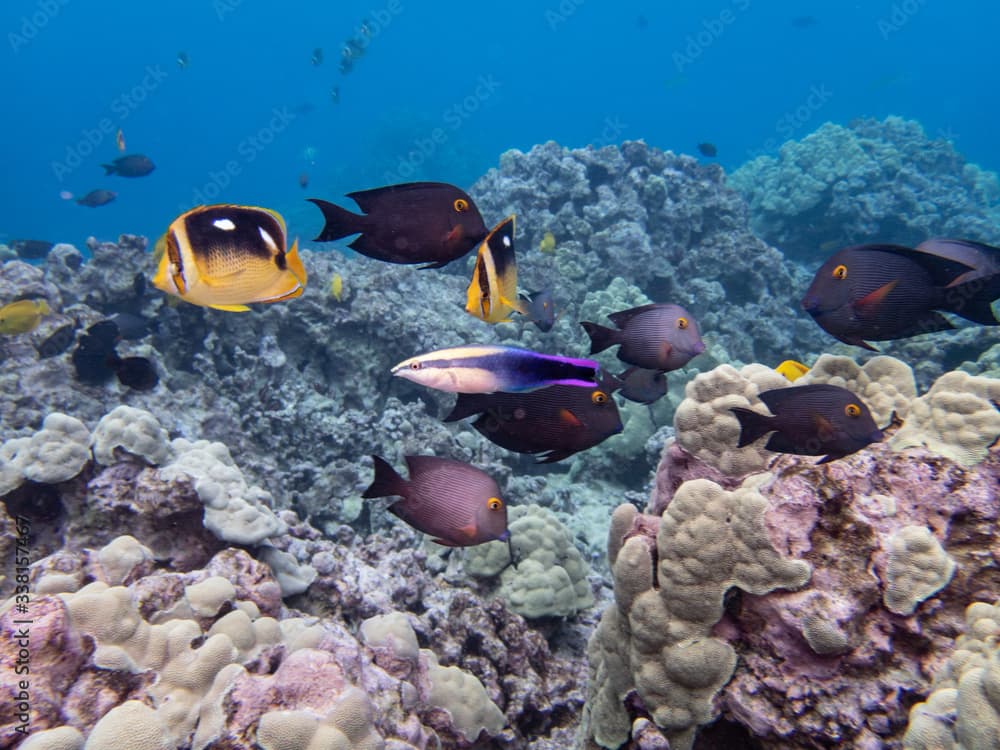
<point>868,306</point>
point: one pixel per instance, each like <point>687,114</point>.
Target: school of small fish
<point>227,257</point>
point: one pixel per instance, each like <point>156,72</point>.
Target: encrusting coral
<point>550,577</point>
<point>671,575</point>
<point>895,542</point>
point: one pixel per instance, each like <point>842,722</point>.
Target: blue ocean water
<point>442,90</point>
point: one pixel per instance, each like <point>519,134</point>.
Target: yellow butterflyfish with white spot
<point>492,293</point>
<point>226,256</point>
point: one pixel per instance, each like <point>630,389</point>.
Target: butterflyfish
<point>492,293</point>
<point>226,256</point>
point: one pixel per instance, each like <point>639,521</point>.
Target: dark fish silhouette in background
<point>133,165</point>
<point>540,309</point>
<point>304,180</point>
<point>656,336</point>
<point>335,95</point>
<point>552,423</point>
<point>96,198</point>
<point>455,503</point>
<point>317,56</point>
<point>707,149</point>
<point>183,60</point>
<point>96,360</point>
<point>887,292</point>
<point>415,222</point>
<point>804,22</point>
<point>133,327</point>
<point>642,386</point>
<point>810,420</point>
<point>31,249</point>
<point>58,341</point>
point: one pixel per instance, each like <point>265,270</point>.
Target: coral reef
<point>550,577</point>
<point>963,711</point>
<point>204,573</point>
<point>869,182</point>
<point>898,543</point>
<point>178,640</point>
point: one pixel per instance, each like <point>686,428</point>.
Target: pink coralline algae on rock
<point>202,636</point>
<point>839,662</point>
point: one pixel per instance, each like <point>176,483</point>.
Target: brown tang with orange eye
<point>885,292</point>
<point>552,423</point>
<point>454,502</point>
<point>656,337</point>
<point>810,420</point>
<point>413,222</point>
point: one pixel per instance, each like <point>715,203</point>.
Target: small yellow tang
<point>22,316</point>
<point>548,243</point>
<point>226,256</point>
<point>492,293</point>
<point>337,287</point>
<point>791,369</point>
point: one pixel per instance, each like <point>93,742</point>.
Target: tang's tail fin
<point>387,480</point>
<point>973,299</point>
<point>109,169</point>
<point>600,337</point>
<point>753,425</point>
<point>339,221</point>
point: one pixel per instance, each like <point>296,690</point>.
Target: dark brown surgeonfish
<point>31,249</point>
<point>95,360</point>
<point>810,420</point>
<point>455,503</point>
<point>416,222</point>
<point>96,198</point>
<point>642,386</point>
<point>656,337</point>
<point>552,423</point>
<point>133,165</point>
<point>886,292</point>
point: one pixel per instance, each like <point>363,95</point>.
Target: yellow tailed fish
<point>791,369</point>
<point>337,287</point>
<point>548,243</point>
<point>22,316</point>
<point>226,256</point>
<point>492,293</point>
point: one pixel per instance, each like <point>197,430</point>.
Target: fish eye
<point>599,397</point>
<point>461,205</point>
<point>414,365</point>
<point>682,322</point>
<point>852,410</point>
<point>494,503</point>
<point>840,272</point>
